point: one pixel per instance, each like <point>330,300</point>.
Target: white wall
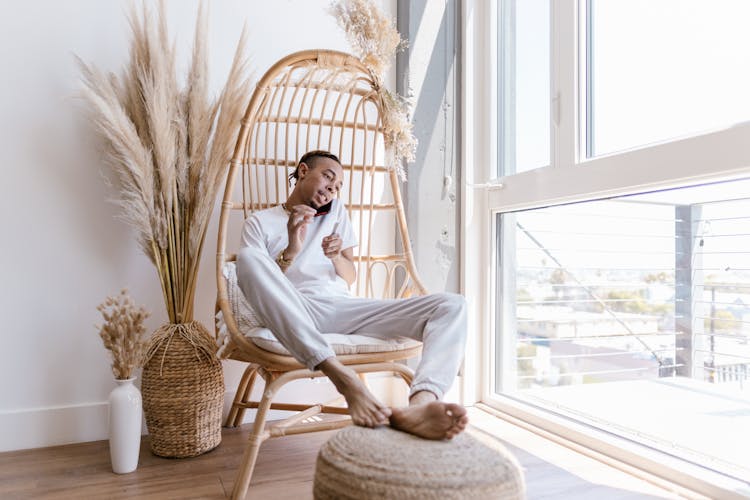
<point>63,248</point>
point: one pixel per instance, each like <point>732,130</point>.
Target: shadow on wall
<point>429,69</point>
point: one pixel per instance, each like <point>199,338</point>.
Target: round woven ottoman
<point>359,463</point>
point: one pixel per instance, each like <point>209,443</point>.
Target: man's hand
<point>299,217</point>
<point>332,246</point>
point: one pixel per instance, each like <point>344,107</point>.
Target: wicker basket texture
<point>183,391</point>
<point>363,464</point>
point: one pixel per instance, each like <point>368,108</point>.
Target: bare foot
<point>364,408</point>
<point>434,420</point>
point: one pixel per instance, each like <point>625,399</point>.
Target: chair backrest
<point>322,99</point>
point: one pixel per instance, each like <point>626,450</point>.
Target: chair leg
<point>246,398</point>
<point>242,483</point>
<point>405,373</point>
<point>257,437</point>
<point>244,389</point>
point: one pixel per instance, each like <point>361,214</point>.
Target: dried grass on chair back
<point>183,391</point>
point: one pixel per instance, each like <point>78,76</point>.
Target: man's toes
<point>455,410</point>
<point>362,420</point>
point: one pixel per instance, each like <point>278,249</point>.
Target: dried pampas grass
<point>169,146</point>
<point>372,34</point>
<point>398,133</point>
<point>123,333</point>
<point>375,40</point>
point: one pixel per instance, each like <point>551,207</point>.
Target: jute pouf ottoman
<point>359,464</point>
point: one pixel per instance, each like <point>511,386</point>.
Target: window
<point>633,313</point>
<point>663,69</point>
<point>524,67</point>
<point>577,233</point>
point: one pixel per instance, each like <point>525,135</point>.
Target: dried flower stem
<point>375,40</point>
<point>123,333</point>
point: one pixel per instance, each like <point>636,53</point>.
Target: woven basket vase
<point>183,391</point>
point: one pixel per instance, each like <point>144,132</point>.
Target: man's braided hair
<point>309,159</point>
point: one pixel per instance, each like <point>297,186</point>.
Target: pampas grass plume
<point>169,147</point>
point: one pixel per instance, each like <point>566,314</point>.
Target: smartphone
<point>324,209</point>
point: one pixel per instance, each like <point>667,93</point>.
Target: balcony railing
<point>633,291</point>
<point>651,296</point>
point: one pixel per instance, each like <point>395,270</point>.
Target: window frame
<point>571,177</point>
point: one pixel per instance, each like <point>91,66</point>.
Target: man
<point>295,269</point>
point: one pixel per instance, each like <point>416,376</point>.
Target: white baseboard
<point>41,427</point>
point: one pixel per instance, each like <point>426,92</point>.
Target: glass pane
<point>524,76</point>
<point>663,69</point>
<point>633,314</point>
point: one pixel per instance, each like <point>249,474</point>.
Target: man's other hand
<point>332,246</point>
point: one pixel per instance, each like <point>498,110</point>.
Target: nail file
<point>335,228</point>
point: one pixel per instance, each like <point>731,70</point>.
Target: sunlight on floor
<point>583,467</point>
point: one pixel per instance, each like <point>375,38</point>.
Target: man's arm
<point>343,260</point>
<point>344,265</point>
<point>299,217</point>
<point>252,234</point>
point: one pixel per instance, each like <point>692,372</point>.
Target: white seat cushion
<point>249,325</point>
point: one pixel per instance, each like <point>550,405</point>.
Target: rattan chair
<point>316,99</point>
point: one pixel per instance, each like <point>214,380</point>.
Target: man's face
<point>320,182</point>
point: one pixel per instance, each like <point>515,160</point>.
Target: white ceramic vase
<point>125,415</point>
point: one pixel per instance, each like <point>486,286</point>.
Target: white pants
<point>298,320</point>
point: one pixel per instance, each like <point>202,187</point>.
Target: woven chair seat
<point>360,463</point>
<point>341,344</point>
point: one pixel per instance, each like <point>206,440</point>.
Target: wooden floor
<point>284,471</point>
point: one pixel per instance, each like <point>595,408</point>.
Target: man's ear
<point>302,170</point>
